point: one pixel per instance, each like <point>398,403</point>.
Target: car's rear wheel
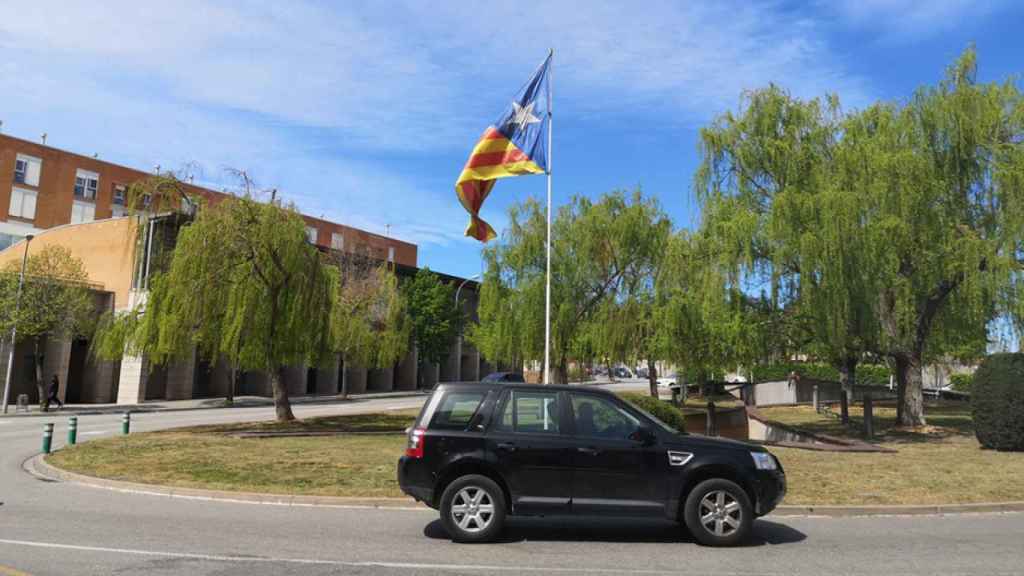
<point>473,509</point>
<point>718,513</point>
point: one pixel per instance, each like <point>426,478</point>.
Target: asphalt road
<point>63,529</point>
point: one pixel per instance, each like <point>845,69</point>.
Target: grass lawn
<point>936,465</point>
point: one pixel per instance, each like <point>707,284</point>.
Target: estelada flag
<point>512,146</point>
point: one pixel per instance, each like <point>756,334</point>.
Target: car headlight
<point>764,461</point>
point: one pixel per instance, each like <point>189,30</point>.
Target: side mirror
<point>644,436</point>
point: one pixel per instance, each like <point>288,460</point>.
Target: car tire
<point>473,509</point>
<point>718,513</point>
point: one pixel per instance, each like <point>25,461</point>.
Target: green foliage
<point>997,402</point>
<point>55,299</point>
<point>661,410</point>
<point>435,319</point>
<point>369,324</point>
<point>962,382</point>
<point>604,259</point>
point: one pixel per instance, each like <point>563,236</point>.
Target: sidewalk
<point>201,404</point>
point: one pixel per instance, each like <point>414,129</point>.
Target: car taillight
<point>415,447</point>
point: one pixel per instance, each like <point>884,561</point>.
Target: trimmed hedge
<point>961,382</point>
<point>661,410</point>
<point>867,374</point>
<point>997,402</point>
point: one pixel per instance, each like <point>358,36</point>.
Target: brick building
<point>51,187</point>
<point>77,202</point>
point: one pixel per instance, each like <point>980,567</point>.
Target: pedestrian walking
<point>54,390</point>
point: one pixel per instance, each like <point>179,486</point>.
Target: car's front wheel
<point>718,513</point>
<point>473,509</point>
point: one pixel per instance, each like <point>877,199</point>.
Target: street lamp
<point>459,289</point>
<point>14,326</point>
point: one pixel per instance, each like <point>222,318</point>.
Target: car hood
<point>714,442</point>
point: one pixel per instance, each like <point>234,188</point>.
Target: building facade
<point>77,202</point>
<point>52,187</point>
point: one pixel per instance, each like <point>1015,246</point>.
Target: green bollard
<point>72,430</point>
<point>126,422</point>
<point>47,437</point>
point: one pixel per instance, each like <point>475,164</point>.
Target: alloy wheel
<point>472,509</point>
<point>720,513</point>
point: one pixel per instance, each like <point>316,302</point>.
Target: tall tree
<point>596,246</point>
<point>369,324</point>
<point>943,184</point>
<point>244,285</point>
<point>55,304</point>
<point>434,317</point>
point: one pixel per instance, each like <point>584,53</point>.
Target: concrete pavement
<point>59,528</point>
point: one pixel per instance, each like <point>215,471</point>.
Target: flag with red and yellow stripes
<point>512,146</point>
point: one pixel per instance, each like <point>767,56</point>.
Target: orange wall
<point>105,247</point>
<point>56,190</point>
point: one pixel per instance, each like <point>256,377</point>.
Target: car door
<point>527,443</point>
<point>615,470</point>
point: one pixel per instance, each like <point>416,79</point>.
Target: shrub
<point>661,410</point>
<point>961,382</point>
<point>997,402</point>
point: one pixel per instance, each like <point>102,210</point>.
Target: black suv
<point>481,451</point>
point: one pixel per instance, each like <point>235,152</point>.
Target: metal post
<point>47,437</point>
<point>14,328</point>
<point>547,277</point>
<point>869,416</point>
<point>817,402</point>
<point>710,425</point>
<point>126,422</point>
<point>72,430</point>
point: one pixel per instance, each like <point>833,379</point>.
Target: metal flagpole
<point>547,284</point>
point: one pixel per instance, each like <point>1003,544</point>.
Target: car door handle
<point>588,450</point>
<point>507,446</point>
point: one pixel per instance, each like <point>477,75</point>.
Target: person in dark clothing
<point>54,390</point>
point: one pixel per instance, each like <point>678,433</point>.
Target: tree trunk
<point>847,376</point>
<point>913,393</point>
<point>563,371</point>
<point>282,405</point>
<point>901,384</point>
<point>652,378</point>
<point>229,396</point>
<point>37,376</point>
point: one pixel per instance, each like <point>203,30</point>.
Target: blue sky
<point>364,113</point>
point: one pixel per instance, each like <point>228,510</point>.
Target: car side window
<point>597,417</point>
<point>530,412</point>
<point>457,410</point>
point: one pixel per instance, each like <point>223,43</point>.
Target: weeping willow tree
<point>369,324</point>
<point>942,180</point>
<point>242,285</point>
<point>597,248</point>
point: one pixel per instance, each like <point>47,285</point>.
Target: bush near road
<point>997,400</point>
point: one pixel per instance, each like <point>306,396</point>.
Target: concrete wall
<point>406,372</point>
<point>354,380</point>
<point>327,381</point>
<point>380,380</point>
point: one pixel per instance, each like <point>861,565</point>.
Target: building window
<point>83,212</point>
<point>337,241</point>
<point>391,254</point>
<point>86,184</point>
<point>27,169</point>
<point>311,234</point>
<point>119,201</point>
<point>23,204</point>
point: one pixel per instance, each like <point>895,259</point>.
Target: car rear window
<point>457,409</point>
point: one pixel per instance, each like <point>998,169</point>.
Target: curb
<point>38,467</point>
<point>143,409</point>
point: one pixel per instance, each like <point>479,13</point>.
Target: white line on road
<point>347,563</point>
<point>94,432</point>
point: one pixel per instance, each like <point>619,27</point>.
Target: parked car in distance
<point>622,372</point>
<point>480,452</point>
<point>670,380</point>
<point>504,377</point>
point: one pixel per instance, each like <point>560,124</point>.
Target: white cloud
<point>328,102</point>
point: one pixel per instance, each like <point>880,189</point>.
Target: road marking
<point>94,432</point>
<point>344,563</point>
